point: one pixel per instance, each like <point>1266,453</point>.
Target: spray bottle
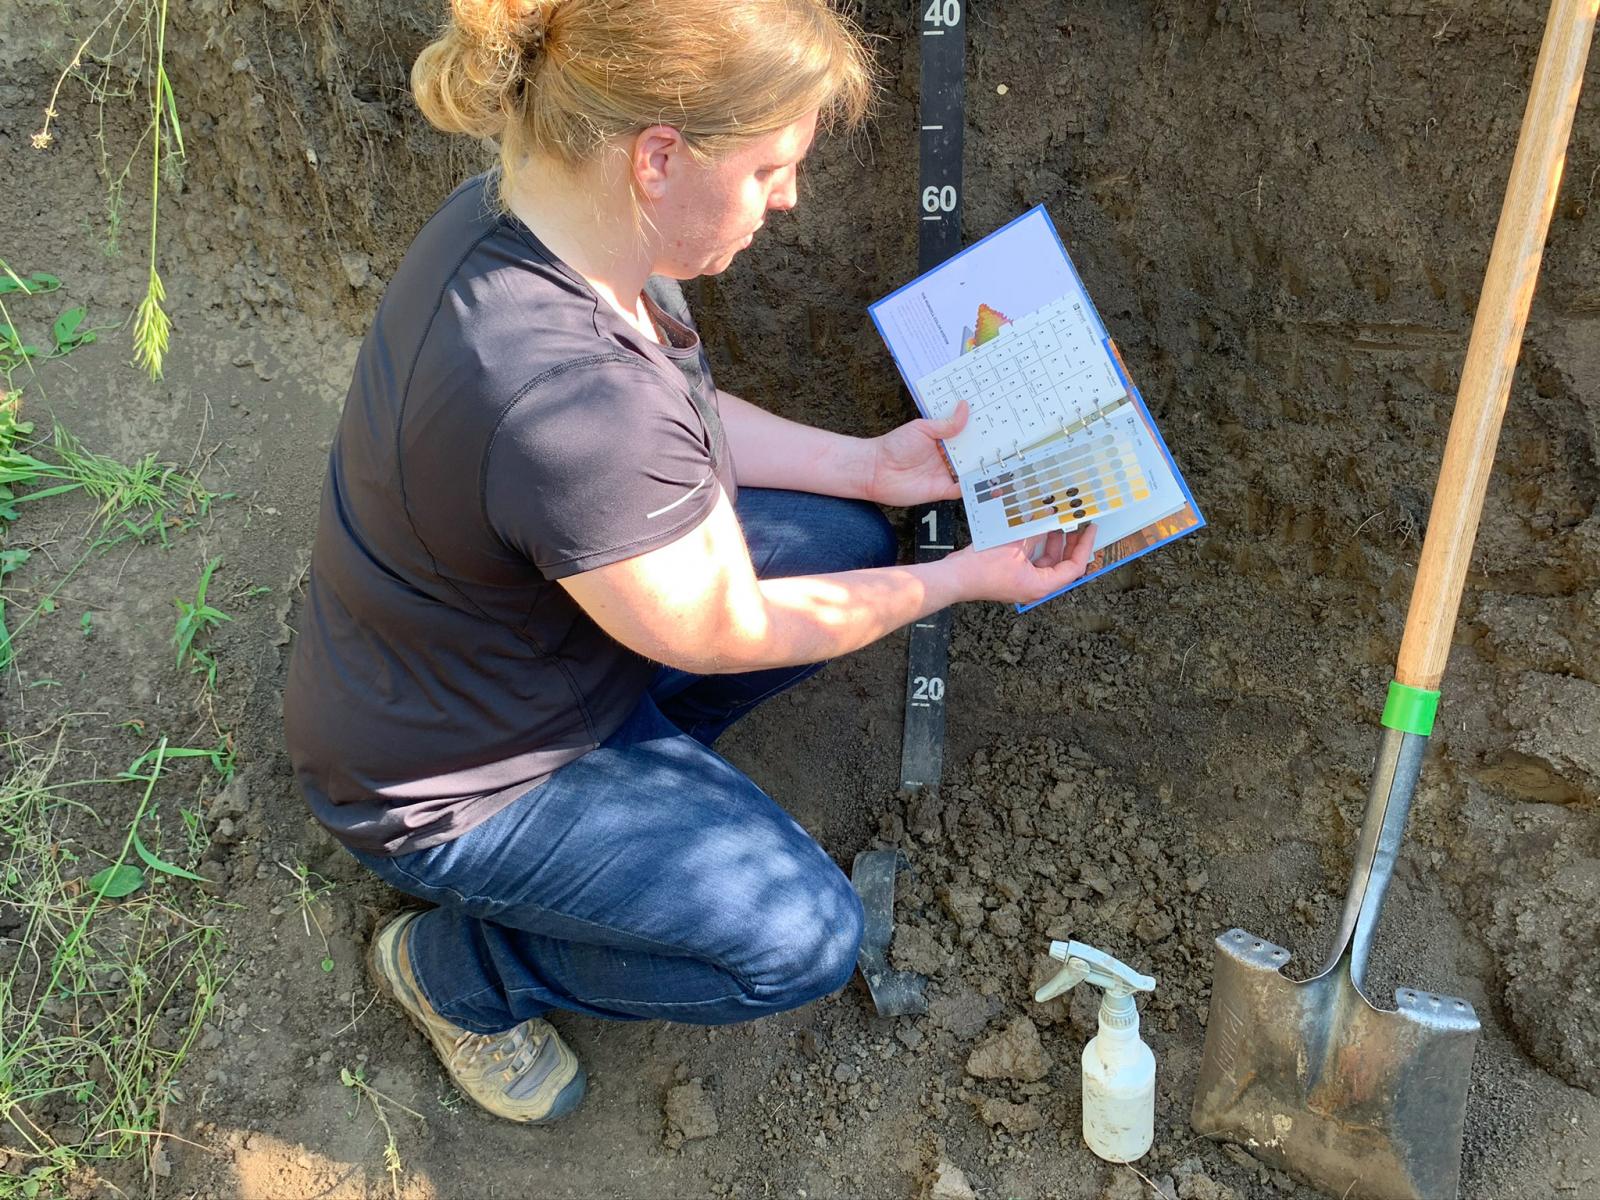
<point>1119,1071</point>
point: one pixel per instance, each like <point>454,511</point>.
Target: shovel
<point>1312,1075</point>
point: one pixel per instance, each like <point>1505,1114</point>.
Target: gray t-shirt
<point>505,428</point>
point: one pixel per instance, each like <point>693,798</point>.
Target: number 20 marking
<point>943,12</point>
<point>924,688</point>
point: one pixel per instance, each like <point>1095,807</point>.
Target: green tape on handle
<point>1409,709</point>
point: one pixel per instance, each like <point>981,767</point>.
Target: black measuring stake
<point>942,30</point>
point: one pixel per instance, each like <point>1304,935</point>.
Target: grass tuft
<point>101,999</point>
<point>141,500</point>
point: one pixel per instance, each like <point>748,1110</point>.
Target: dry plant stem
<point>42,139</point>
<point>1150,1183</point>
<point>162,1135</point>
<point>391,1148</point>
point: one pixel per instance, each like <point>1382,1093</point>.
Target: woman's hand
<point>1025,571</point>
<point>909,466</point>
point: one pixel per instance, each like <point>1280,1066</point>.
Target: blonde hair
<point>566,77</point>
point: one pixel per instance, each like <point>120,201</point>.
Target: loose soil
<point>1283,211</point>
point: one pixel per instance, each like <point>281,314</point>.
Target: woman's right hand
<point>1025,571</point>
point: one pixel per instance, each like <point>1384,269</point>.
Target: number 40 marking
<point>943,12</point>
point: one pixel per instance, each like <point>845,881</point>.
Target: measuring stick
<point>942,30</point>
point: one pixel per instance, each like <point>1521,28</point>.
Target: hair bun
<point>505,29</point>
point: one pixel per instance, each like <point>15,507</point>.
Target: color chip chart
<point>1075,483</point>
<point>1052,439</point>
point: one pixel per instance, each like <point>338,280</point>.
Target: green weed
<point>37,282</point>
<point>14,352</point>
<point>194,620</point>
<point>67,332</point>
<point>10,560</point>
<point>306,896</point>
<point>220,756</point>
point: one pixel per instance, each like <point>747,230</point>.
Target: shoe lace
<point>480,1051</point>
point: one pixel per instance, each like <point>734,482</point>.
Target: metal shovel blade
<point>894,993</point>
<point>1314,1077</point>
<point>1310,1076</point>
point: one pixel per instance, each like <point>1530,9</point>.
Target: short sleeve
<point>597,462</point>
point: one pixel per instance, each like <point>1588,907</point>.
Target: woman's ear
<point>658,155</point>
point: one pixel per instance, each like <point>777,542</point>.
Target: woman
<point>554,563</point>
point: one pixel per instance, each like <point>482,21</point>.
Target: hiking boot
<point>525,1074</point>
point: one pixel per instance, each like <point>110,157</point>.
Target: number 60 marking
<point>938,199</point>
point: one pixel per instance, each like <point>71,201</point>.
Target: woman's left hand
<point>909,466</point>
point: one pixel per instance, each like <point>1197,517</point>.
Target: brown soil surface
<point>1283,211</point>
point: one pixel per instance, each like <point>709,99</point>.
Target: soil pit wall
<point>1283,212</point>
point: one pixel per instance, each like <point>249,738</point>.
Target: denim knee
<point>799,533</point>
<point>870,538</point>
<point>820,962</point>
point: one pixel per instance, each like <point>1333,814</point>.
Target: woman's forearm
<point>810,618</point>
<point>773,452</point>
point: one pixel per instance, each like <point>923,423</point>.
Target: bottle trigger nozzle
<point>1085,963</point>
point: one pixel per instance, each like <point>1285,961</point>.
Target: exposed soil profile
<point>1283,210</point>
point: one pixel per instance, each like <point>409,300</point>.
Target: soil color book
<point>1058,435</point>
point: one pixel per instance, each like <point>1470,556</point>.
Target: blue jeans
<point>649,878</point>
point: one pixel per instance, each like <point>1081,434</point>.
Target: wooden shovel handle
<point>1496,342</point>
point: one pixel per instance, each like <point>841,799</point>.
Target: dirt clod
<point>962,1011</point>
<point>1014,1118</point>
<point>1125,1185</point>
<point>1014,1053</point>
<point>691,1114</point>
<point>948,1182</point>
<point>1194,1184</point>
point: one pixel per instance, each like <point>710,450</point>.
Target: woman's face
<point>706,213</point>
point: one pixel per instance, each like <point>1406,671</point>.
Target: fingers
<point>1047,553</point>
<point>1080,549</point>
<point>1063,557</point>
<point>949,426</point>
